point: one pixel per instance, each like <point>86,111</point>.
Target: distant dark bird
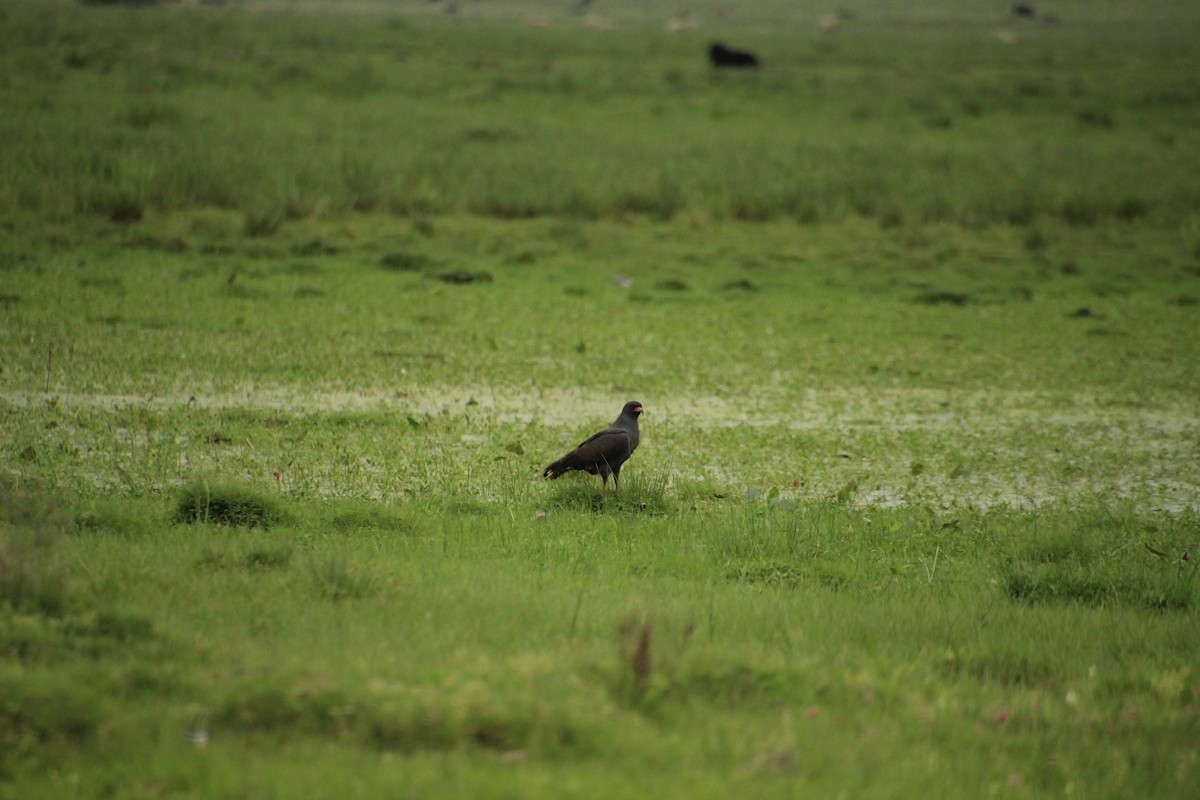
<point>604,452</point>
<point>1025,10</point>
<point>722,56</point>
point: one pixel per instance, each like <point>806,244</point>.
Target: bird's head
<point>632,407</point>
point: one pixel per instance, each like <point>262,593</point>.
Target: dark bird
<point>723,57</point>
<point>604,452</point>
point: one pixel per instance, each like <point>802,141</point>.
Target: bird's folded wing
<point>609,431</point>
<point>607,445</point>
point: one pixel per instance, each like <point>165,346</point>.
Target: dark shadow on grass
<point>790,575</point>
<point>1098,569</point>
<point>351,516</point>
<point>944,298</point>
<point>1044,584</point>
<point>397,722</point>
<point>110,515</point>
<point>647,494</point>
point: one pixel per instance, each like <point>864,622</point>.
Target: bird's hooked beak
<point>637,409</point>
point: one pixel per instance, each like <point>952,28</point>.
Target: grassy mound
<point>226,504</point>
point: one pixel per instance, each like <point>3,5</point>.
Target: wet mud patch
<point>895,447</point>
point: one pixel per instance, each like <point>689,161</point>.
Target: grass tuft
<point>350,516</point>
<point>335,578</point>
<point>902,525</point>
<point>404,720</point>
<point>404,261</point>
<point>226,504</point>
<point>640,493</point>
<point>268,556</point>
<point>1074,584</point>
<point>263,221</point>
<point>39,711</point>
<point>1080,566</point>
<point>33,576</point>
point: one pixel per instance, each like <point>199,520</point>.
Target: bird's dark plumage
<point>604,452</point>
<point>723,57</point>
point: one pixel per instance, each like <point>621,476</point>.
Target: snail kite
<point>604,452</point>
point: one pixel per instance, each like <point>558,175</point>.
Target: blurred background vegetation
<point>937,111</point>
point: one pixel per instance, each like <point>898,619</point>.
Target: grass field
<point>298,301</point>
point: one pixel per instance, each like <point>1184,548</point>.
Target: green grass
<point>297,306</point>
<point>234,505</point>
<point>754,645</point>
<point>902,116</point>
